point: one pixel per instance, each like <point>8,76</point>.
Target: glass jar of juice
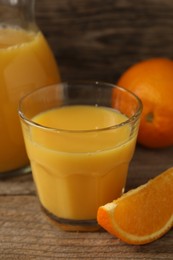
<point>26,63</point>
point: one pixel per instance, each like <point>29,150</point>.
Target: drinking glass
<point>80,138</point>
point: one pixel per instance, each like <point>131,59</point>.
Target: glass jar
<point>26,63</point>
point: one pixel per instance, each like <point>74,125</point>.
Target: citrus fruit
<point>141,215</point>
<point>152,81</point>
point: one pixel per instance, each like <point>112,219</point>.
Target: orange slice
<point>141,215</point>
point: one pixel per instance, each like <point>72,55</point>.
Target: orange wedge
<point>141,215</point>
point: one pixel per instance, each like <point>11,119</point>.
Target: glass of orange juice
<point>80,139</point>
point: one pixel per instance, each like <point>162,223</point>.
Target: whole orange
<point>152,81</point>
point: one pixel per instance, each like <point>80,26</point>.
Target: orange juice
<point>76,171</point>
<point>26,62</point>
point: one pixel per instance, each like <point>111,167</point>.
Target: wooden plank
<point>19,185</point>
<point>147,163</point>
<point>26,233</point>
<point>98,40</point>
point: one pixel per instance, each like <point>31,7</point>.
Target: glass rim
<point>132,118</point>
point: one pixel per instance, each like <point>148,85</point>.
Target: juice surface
<point>26,62</point>
<point>76,172</point>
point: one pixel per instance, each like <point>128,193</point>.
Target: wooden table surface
<point>26,233</point>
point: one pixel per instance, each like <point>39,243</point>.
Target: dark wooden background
<point>99,39</point>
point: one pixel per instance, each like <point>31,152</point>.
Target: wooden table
<point>26,233</point>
